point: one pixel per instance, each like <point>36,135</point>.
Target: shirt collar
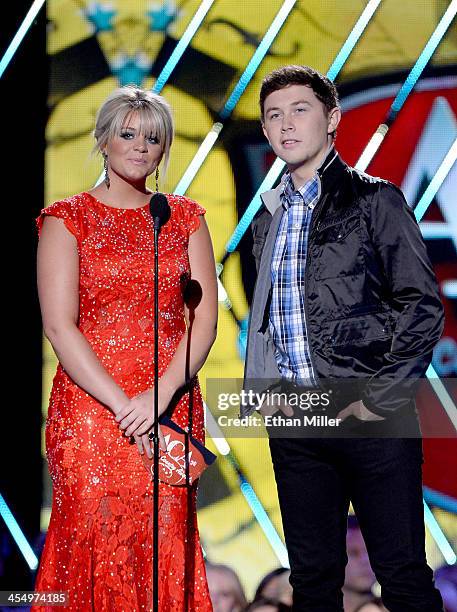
<point>307,192</point>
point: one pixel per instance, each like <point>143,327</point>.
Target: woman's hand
<point>137,417</point>
<point>144,443</point>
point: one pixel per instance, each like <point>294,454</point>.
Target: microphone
<point>159,209</point>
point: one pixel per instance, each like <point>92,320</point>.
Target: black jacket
<point>373,310</point>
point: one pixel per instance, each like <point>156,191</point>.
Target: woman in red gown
<point>95,282</point>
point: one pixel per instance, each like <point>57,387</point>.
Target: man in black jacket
<point>345,293</point>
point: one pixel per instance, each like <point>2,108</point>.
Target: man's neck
<point>302,175</point>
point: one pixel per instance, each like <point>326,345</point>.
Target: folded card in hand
<point>172,464</point>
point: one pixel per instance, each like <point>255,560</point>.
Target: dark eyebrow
<point>271,108</point>
<point>274,108</point>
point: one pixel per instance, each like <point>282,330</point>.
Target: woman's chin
<point>134,178</point>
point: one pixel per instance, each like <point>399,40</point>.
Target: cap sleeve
<point>192,212</point>
<point>65,210</point>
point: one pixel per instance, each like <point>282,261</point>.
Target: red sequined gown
<point>99,543</point>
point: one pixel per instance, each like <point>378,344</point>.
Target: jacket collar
<point>329,170</point>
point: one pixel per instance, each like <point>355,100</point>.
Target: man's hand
<point>359,411</point>
<point>268,409</point>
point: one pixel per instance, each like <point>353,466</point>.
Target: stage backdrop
<point>95,46</point>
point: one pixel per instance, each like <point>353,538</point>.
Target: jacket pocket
<point>356,346</point>
<point>336,227</point>
<point>361,328</point>
<point>337,245</point>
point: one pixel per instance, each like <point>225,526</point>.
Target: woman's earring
<point>105,166</point>
<point>157,178</point>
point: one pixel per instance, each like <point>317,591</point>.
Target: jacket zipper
<point>311,229</point>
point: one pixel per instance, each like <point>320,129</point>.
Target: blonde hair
<point>153,110</point>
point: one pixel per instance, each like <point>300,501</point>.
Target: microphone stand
<point>160,212</point>
<point>155,517</point>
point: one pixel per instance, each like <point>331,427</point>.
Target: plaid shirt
<point>287,310</point>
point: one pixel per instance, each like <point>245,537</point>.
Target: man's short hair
<point>323,87</point>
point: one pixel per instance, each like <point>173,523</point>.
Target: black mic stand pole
<point>160,212</point>
<point>155,517</point>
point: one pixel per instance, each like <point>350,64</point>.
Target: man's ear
<point>334,118</point>
<point>265,132</point>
